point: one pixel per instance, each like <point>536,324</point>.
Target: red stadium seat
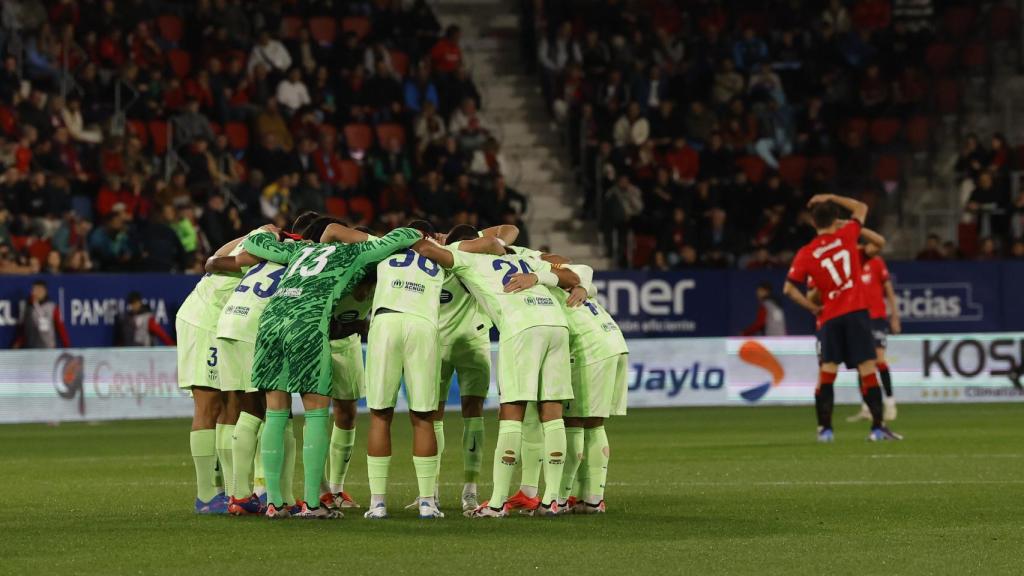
<point>958,20</point>
<point>290,26</point>
<point>170,27</point>
<point>974,56</point>
<point>350,174</point>
<point>158,132</point>
<point>19,243</point>
<point>858,125</point>
<point>826,164</point>
<point>792,170</point>
<point>358,137</point>
<point>884,130</point>
<point>918,132</point>
<point>39,250</point>
<point>323,29</point>
<point>872,14</point>
<point>138,128</point>
<point>329,131</point>
<point>385,132</point>
<point>939,56</point>
<point>216,128</point>
<point>362,207</point>
<point>400,62</point>
<point>1002,23</point>
<point>181,62</point>
<point>357,24</point>
<point>643,249</point>
<point>337,207</point>
<point>889,169</point>
<point>947,96</point>
<point>752,166</point>
<point>238,135</point>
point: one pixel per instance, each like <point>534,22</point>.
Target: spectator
<point>292,93</point>
<point>728,83</point>
<point>161,247</point>
<point>932,249</point>
<point>40,324</point>
<point>136,324</point>
<point>623,204</point>
<point>469,126</point>
<point>421,91</point>
<point>310,194</point>
<point>749,50</point>
<point>700,122</point>
<point>213,221</point>
<point>446,55</point>
<point>773,134</point>
<point>770,320</point>
<point>488,160</point>
<point>631,129</point>
<point>191,124</point>
<point>270,122</point>
<point>270,53</point>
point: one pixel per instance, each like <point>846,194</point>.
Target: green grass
<point>691,491</point>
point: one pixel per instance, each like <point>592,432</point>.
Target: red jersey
<point>874,276</point>
<point>833,261</point>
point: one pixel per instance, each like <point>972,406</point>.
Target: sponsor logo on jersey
<point>409,286</point>
<point>539,301</point>
<point>446,296</point>
<point>234,310</point>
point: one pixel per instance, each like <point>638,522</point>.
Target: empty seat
<point>939,56</point>
<point>158,132</point>
<point>170,27</point>
<point>356,24</point>
<point>752,166</point>
<point>889,168</point>
<point>792,170</point>
<point>358,137</point>
<point>238,135</point>
<point>290,26</point>
<point>323,29</point>
<point>337,207</point>
<point>180,61</point>
<point>386,132</point>
<point>884,130</point>
<point>350,174</point>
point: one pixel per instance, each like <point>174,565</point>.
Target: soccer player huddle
<point>281,313</point>
<point>847,290</point>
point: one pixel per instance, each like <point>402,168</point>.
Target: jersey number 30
<point>407,258</point>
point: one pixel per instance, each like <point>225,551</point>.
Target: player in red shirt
<point>880,292</point>
<point>832,260</point>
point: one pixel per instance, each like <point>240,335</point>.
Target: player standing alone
<point>832,260</point>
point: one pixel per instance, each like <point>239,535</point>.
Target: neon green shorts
<point>198,356</point>
<point>235,364</point>
<point>599,388</point>
<point>347,375</point>
<point>402,345</point>
<point>471,360</point>
<point>533,365</point>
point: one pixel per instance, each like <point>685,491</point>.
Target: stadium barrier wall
<point>132,383</point>
<point>933,298</point>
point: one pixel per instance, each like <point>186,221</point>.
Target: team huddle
<point>281,313</point>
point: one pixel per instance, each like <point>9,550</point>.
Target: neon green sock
<point>272,447</point>
<point>472,448</point>
<point>426,474</point>
<point>377,473</point>
<point>315,444</point>
<point>439,435</point>
<point>342,442</point>
<point>243,450</point>
<point>554,458</point>
<point>598,454</point>
<point>203,445</point>
<point>506,456</point>
<point>573,457</point>
<point>288,469</point>
<point>259,479</point>
<point>225,456</point>
<point>533,451</point>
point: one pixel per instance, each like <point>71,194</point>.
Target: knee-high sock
<point>824,399</point>
<point>532,451</point>
<point>598,453</point>
<point>203,445</point>
<point>341,452</point>
<point>315,444</point>
<point>288,470</point>
<point>506,456</point>
<point>243,450</point>
<point>579,487</point>
<point>224,456</point>
<point>573,458</point>
<point>377,472</point>
<point>272,447</point>
<point>883,372</point>
<point>472,448</point>
<point>554,458</point>
<point>426,474</point>
<point>439,436</point>
<point>872,397</point>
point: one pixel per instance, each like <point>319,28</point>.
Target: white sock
<point>335,488</point>
<point>529,491</point>
<point>376,499</point>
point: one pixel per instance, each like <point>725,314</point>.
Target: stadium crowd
<point>137,135</point>
<point>701,131</point>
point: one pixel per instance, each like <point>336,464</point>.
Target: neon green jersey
<point>349,308</point>
<point>528,252</point>
<point>593,333</point>
<point>203,305</point>
<point>240,318</point>
<point>485,276</point>
<point>410,283</point>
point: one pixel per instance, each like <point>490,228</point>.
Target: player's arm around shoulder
<point>433,251</point>
<point>343,234</point>
<point>373,251</point>
<point>268,247</point>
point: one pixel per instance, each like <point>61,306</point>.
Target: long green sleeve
<point>373,251</point>
<point>265,246</point>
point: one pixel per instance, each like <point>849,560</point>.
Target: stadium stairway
<point>537,160</point>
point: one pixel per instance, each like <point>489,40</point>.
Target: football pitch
<point>691,491</point>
